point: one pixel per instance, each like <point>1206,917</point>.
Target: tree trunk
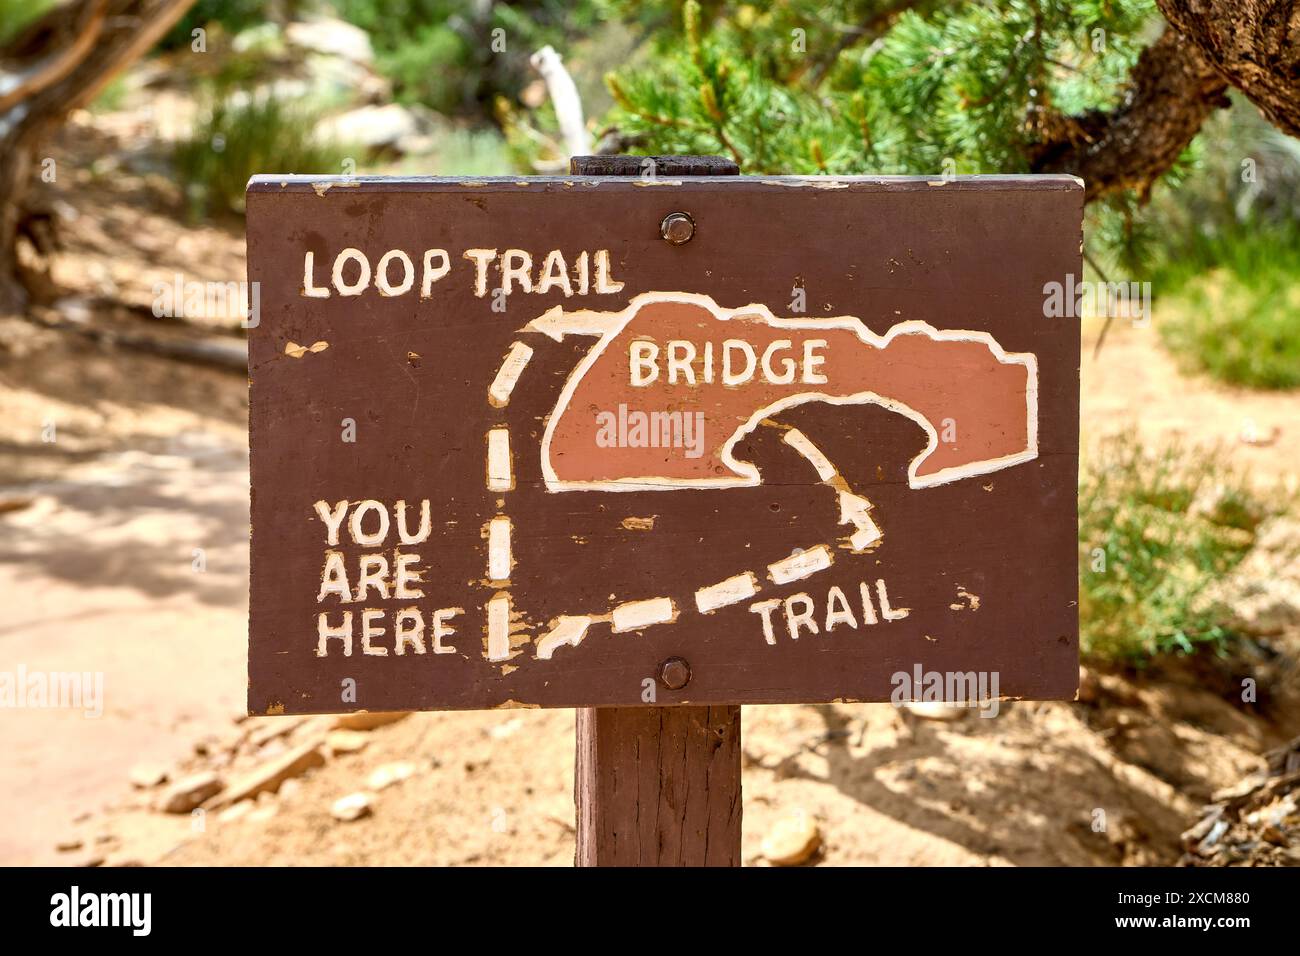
<point>1178,81</point>
<point>1173,89</point>
<point>1253,44</point>
<point>58,64</point>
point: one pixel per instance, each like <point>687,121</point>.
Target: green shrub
<point>1156,529</point>
<point>431,66</point>
<point>1240,321</point>
<point>233,142</point>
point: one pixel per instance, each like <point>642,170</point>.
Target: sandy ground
<point>1134,383</point>
<point>98,573</point>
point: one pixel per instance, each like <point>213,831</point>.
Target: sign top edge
<point>321,184</point>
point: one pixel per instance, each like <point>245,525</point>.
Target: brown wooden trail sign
<point>511,447</point>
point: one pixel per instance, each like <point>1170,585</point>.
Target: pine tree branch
<point>1172,90</point>
<point>728,145</point>
<point>1013,61</point>
<point>874,24</point>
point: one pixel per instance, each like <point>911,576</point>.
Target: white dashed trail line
<point>571,630</point>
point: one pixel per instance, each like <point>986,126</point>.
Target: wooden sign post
<point>658,445</point>
<point>658,786</point>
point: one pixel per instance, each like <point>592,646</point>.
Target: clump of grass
<point>1240,321</point>
<point>236,140</point>
<point>1156,530</point>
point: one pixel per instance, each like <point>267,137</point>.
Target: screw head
<point>675,673</point>
<point>677,228</point>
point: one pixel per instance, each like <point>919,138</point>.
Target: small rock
<point>270,776</point>
<point>146,775</point>
<point>235,811</point>
<point>263,813</point>
<point>189,792</point>
<point>332,37</point>
<point>367,720</point>
<point>1194,835</point>
<point>937,710</point>
<point>1274,835</point>
<point>373,127</point>
<point>346,741</point>
<point>390,773</point>
<point>272,748</point>
<point>274,728</point>
<point>352,807</point>
<point>68,845</point>
<point>289,789</point>
<point>792,840</point>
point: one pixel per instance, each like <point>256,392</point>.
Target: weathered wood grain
<point>658,786</point>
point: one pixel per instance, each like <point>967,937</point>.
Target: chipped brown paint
<point>321,188</point>
<point>294,350</point>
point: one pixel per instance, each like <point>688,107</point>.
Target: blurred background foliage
<point>448,55</point>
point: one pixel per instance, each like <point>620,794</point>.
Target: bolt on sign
<point>520,442</point>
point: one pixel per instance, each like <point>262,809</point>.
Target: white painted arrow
<point>556,323</point>
<point>855,510</point>
<point>568,631</point>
